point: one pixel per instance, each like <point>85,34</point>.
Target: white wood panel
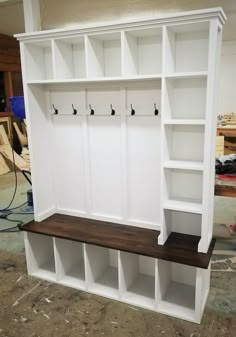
<point>68,171</point>
<point>105,165</point>
<point>64,97</point>
<point>143,155</point>
<point>101,100</point>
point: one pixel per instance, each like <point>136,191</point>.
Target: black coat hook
<point>112,110</point>
<point>91,110</point>
<point>74,110</point>
<point>132,110</point>
<point>55,110</point>
<point>156,111</point>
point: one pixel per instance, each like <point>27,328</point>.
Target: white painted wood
<point>138,280</point>
<point>32,15</point>
<point>144,170</point>
<point>102,271</point>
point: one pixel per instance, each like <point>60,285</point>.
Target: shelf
<point>98,79</point>
<point>41,261</point>
<point>179,248</point>
<point>142,52</point>
<point>185,165</point>
<point>138,280</point>
<point>102,271</point>
<point>185,206</point>
<point>184,122</point>
<point>70,263</point>
<point>186,75</point>
<point>177,290</point>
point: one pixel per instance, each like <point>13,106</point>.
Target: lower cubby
<point>176,290</point>
<point>102,271</point>
<point>70,263</point>
<point>40,256</point>
<point>137,280</point>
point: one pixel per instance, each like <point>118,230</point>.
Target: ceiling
<point>72,12</point>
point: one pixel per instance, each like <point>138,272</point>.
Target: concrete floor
<point>30,307</point>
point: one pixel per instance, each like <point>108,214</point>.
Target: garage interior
<point>33,307</point>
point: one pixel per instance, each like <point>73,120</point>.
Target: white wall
<point>228,77</point>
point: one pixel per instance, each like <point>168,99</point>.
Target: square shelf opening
<point>38,57</point>
<point>185,99</point>
<point>138,280</point>
<point>104,55</point>
<point>102,271</point>
<point>183,222</point>
<point>41,256</point>
<point>70,263</point>
<point>70,58</point>
<point>187,47</point>
<point>183,190</point>
<point>184,143</point>
<point>143,52</point>
<point>177,286</point>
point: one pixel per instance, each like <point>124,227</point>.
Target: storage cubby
<point>70,263</point>
<point>185,99</point>
<point>40,254</point>
<point>187,47</point>
<point>183,190</point>
<point>102,271</point>
<point>183,222</point>
<point>142,53</point>
<point>38,58</point>
<point>177,287</point>
<point>104,55</point>
<point>138,280</point>
<point>70,58</point>
<point>184,143</point>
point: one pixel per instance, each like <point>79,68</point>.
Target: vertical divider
<point>86,47</point>
<point>53,59</point>
<point>157,285</point>
<point>57,260</point>
<point>123,74</point>
<point>86,267</point>
<point>120,279</point>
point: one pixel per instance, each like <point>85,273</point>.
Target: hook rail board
<point>124,192</point>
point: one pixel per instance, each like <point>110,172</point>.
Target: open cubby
<point>184,143</point>
<point>183,190</point>
<point>187,47</point>
<point>40,252</point>
<point>138,280</point>
<point>70,58</point>
<point>38,58</point>
<point>143,52</point>
<point>70,263</point>
<point>185,98</point>
<point>177,287</point>
<point>183,222</point>
<point>102,271</point>
<point>104,55</point>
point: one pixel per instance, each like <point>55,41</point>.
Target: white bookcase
<point>122,128</point>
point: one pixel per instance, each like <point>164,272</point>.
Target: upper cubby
<point>38,58</point>
<point>187,48</point>
<point>142,52</point>
<point>185,98</point>
<point>70,58</point>
<point>104,55</point>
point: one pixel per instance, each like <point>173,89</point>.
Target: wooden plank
<point>179,248</point>
<point>7,153</point>
<point>3,166</point>
<point>3,135</point>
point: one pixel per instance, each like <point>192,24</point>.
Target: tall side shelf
<point>129,113</point>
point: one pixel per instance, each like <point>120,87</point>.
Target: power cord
<point>11,229</point>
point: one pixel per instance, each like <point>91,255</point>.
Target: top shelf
<point>179,248</point>
<point>172,51</point>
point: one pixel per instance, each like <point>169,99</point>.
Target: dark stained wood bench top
<point>179,248</point>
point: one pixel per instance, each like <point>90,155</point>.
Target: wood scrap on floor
<point>3,136</point>
<point>4,168</point>
<point>7,153</point>
<point>26,156</point>
<point>21,136</point>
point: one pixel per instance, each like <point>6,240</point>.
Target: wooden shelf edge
<point>179,248</point>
